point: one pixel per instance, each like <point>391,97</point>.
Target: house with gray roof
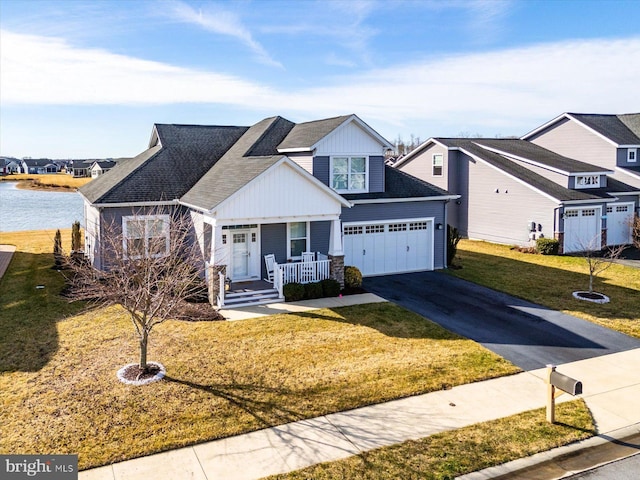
<point>277,200</point>
<point>100,167</point>
<point>513,191</point>
<point>610,141</point>
<point>39,166</point>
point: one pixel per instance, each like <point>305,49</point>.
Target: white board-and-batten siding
<point>349,139</point>
<point>280,194</point>
<point>573,140</point>
<point>500,207</point>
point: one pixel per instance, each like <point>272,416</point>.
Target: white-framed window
<point>587,181</point>
<point>298,239</point>
<point>437,162</point>
<point>146,235</point>
<point>632,155</point>
<point>350,174</point>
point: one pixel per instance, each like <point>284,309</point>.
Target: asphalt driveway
<point>528,335</point>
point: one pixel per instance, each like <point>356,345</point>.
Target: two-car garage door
<point>378,248</point>
<point>582,226</point>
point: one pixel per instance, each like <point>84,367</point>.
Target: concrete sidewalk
<point>6,253</point>
<point>611,389</point>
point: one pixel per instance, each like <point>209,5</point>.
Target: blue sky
<point>87,79</point>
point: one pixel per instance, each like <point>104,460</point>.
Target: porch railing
<point>221,285</point>
<point>304,272</point>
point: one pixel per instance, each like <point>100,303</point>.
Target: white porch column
<point>335,239</point>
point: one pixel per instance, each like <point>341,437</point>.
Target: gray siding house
<point>514,192</point>
<point>312,197</point>
<point>610,141</point>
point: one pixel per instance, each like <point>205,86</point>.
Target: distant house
<point>81,168</point>
<point>39,166</point>
<point>276,200</point>
<point>9,165</point>
<point>100,167</point>
<point>609,141</point>
<point>513,192</point>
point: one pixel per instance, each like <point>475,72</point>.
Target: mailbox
<point>566,384</point>
<point>557,384</point>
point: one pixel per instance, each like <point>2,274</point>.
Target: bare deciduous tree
<point>598,259</point>
<point>635,231</point>
<point>150,267</point>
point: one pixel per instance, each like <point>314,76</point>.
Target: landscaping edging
<point>122,374</point>
<point>591,297</point>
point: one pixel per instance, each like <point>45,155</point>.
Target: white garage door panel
<point>581,229</point>
<point>619,218</point>
<point>394,247</point>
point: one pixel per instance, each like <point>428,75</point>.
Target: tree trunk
<point>590,282</point>
<point>143,350</point>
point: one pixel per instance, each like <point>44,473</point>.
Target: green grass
<point>550,281</point>
<point>457,452</point>
<point>58,364</point>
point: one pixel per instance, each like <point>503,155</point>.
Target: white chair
<point>270,263</point>
<point>308,267</point>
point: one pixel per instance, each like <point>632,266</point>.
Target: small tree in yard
<point>76,237</point>
<point>598,260</point>
<point>57,249</point>
<point>635,231</point>
<point>150,270</point>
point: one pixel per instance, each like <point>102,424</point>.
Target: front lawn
<point>58,364</point>
<point>550,280</point>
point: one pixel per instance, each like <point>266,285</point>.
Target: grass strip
<point>457,452</point>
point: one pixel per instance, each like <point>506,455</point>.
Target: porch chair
<point>270,263</point>
<point>308,267</point>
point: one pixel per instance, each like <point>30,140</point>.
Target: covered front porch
<point>285,213</point>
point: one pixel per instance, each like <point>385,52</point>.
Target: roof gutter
<point>406,199</point>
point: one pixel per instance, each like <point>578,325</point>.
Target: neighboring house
<point>81,168</point>
<point>282,189</point>
<point>610,141</point>
<point>9,165</point>
<point>514,192</point>
<point>39,166</point>
<point>100,167</point>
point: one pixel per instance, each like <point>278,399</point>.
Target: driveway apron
<point>529,335</point>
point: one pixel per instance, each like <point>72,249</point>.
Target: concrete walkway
<point>6,253</point>
<point>611,388</point>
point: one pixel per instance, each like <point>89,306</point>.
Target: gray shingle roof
<point>217,184</point>
<point>399,184</point>
<point>164,173</point>
<point>305,135</point>
<point>621,129</point>
<point>531,151</point>
<point>515,169</point>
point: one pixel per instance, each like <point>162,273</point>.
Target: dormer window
<point>632,155</point>
<point>349,174</point>
<point>588,181</point>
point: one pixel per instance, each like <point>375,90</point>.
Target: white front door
<point>244,254</point>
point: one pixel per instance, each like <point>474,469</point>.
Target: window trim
<point>166,220</point>
<point>307,239</point>
<point>579,186</point>
<point>349,157</point>
<point>633,151</point>
<point>433,165</point>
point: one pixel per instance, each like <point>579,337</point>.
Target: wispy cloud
<point>49,71</point>
<point>219,20</point>
<point>492,90</point>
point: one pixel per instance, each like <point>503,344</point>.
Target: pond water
<point>36,209</point>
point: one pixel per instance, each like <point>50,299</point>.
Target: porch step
<point>250,298</point>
